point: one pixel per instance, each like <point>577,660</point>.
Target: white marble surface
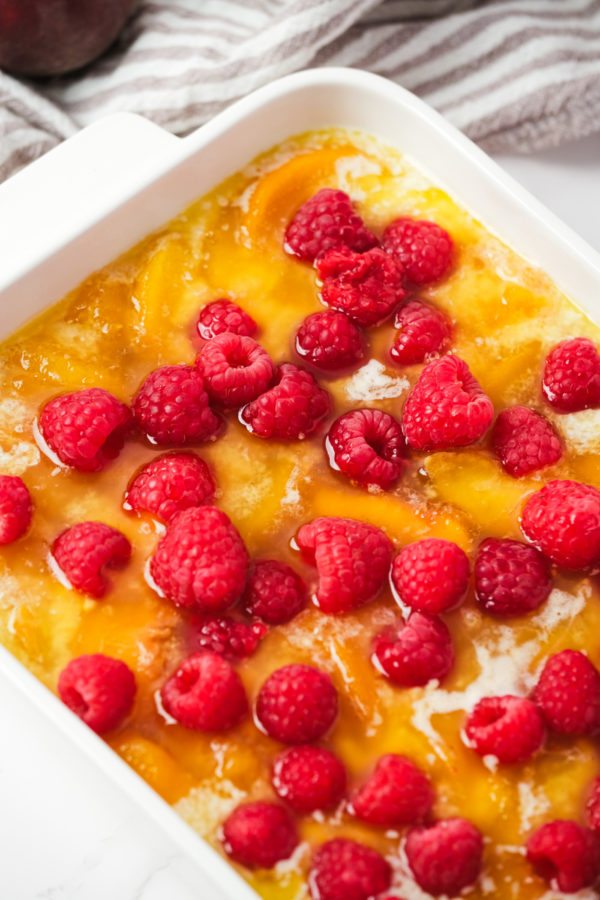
<point>67,834</point>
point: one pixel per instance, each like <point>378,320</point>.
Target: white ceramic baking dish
<point>102,191</point>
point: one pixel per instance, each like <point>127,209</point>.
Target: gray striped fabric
<point>513,74</point>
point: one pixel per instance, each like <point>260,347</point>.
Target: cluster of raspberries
<point>201,565</point>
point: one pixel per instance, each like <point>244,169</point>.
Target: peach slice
<point>282,191</point>
<point>474,483</point>
<point>388,511</point>
<point>136,632</point>
<point>161,284</point>
<point>154,764</point>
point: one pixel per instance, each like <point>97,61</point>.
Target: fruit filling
<point>300,513</point>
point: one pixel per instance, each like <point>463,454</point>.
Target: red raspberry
<point>431,575</point>
<point>346,870</point>
<point>16,508</point>
<point>224,635</point>
<point>445,857</point>
<point>593,805</point>
<point>259,835</point>
<point>524,441</point>
<point>565,855</point>
<point>571,380</point>
<point>424,249</point>
<point>297,704</point>
<point>98,689</point>
<point>326,220</point>
<point>224,315</point>
<point>235,369</point>
<point>291,410</point>
<point>366,286</point>
<point>201,561</point>
<point>309,778</point>
<point>330,340</point>
<point>511,578</point>
<point>397,793</point>
<point>509,728</point>
<point>274,592</point>
<point>170,484</point>
<point>568,694</point>
<point>171,407</point>
<point>83,551</point>
<point>563,521</point>
<point>368,446</point>
<point>424,332</point>
<point>85,429</point>
<point>352,559</point>
<point>205,693</point>
<point>446,408</point>
<point>414,652</point>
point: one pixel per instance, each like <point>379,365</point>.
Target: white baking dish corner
<point>103,190</point>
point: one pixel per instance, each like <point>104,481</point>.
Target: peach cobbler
<point>300,511</point>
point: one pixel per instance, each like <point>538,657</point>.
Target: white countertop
<point>68,834</point>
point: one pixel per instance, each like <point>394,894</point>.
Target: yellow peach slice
<point>135,632</point>
<point>154,764</point>
<point>474,483</point>
<point>503,378</point>
<point>160,285</point>
<point>278,194</point>
<point>388,511</point>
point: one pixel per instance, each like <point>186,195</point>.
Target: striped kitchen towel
<point>513,74</point>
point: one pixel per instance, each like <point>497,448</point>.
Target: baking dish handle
<point>56,199</point>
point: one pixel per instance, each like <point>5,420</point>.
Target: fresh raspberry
<point>309,778</point>
<point>16,508</point>
<point>85,429</point>
<point>524,441</point>
<point>326,220</point>
<point>274,592</point>
<point>224,635</point>
<point>397,793</point>
<point>446,408</point>
<point>414,652</point>
<point>366,286</point>
<point>431,575</point>
<point>83,551</point>
<point>201,561</point>
<point>259,835</point>
<point>291,410</point>
<point>297,704</point>
<point>171,407</point>
<point>445,857</point>
<point>368,446</point>
<point>205,693</point>
<point>330,340</point>
<point>511,578</point>
<point>592,807</point>
<point>235,369</point>
<point>568,694</point>
<point>346,870</point>
<point>224,315</point>
<point>509,728</point>
<point>170,484</point>
<point>563,521</point>
<point>424,331</point>
<point>98,689</point>
<point>565,854</point>
<point>424,249</point>
<point>352,559</point>
<point>571,380</point>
